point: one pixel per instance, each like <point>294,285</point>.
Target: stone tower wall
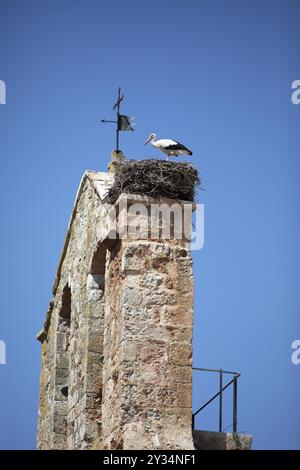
<point>116,344</point>
<point>73,355</point>
<point>147,379</point>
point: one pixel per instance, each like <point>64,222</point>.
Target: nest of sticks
<point>155,178</point>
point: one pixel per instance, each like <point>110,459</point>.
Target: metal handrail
<point>220,395</point>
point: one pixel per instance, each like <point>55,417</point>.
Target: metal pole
<point>235,405</point>
<point>118,113</point>
<point>221,401</point>
<point>193,421</point>
<point>215,396</point>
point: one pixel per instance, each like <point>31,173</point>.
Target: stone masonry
<point>117,339</point>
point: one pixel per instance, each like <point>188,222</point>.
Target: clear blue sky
<point>214,74</point>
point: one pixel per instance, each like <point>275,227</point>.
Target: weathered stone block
<point>184,394</point>
<point>61,376</point>
<point>181,374</point>
<point>60,424</point>
<point>62,360</point>
<point>210,440</point>
<point>181,354</point>
<point>62,341</point>
<point>177,315</point>
<point>151,352</point>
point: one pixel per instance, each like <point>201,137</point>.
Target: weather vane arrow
<point>123,122</point>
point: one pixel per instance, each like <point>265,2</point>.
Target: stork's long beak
<point>148,140</point>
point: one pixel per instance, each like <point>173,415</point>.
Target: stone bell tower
<point>117,340</point>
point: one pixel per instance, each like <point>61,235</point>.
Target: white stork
<point>171,148</point>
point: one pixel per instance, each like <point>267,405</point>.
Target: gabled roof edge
<point>68,234</point>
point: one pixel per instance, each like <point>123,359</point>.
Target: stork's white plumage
<point>171,148</point>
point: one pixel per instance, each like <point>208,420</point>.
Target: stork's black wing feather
<point>178,146</point>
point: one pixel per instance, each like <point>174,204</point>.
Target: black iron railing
<point>222,388</point>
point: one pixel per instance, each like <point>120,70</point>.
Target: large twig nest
<point>155,178</point>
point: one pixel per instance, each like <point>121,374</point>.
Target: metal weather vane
<point>123,122</point>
